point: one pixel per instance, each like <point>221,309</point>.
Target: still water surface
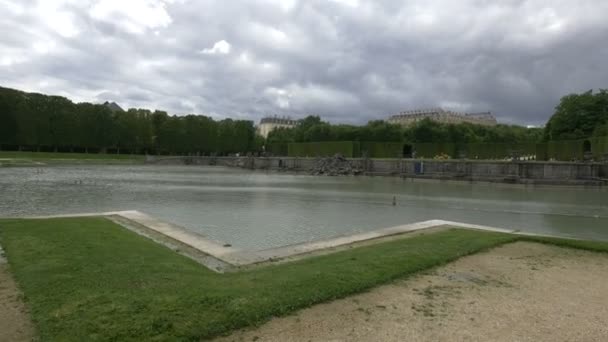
<point>257,210</point>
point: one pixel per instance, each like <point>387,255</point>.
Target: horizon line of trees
<point>312,129</point>
<point>31,121</point>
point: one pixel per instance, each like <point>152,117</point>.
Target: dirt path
<point>518,292</point>
<point>15,324</point>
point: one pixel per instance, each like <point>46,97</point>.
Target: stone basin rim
<point>222,257</point>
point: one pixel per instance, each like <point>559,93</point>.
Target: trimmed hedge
<point>430,150</point>
<point>553,150</point>
<point>382,149</point>
<point>541,151</point>
<point>324,149</point>
<point>498,150</point>
<point>599,147</point>
<point>277,149</point>
<point>351,149</point>
<point>566,150</point>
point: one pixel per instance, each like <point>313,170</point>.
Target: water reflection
<point>257,210</point>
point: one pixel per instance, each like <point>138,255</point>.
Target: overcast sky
<point>345,60</point>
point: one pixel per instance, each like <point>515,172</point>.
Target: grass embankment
<point>13,158</point>
<point>89,279</point>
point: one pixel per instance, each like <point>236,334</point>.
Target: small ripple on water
<point>260,210</point>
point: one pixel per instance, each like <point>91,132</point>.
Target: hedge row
<point>553,150</point>
<point>573,149</point>
<point>381,149</point>
<point>324,148</point>
<point>497,151</point>
<point>599,147</point>
<point>353,149</point>
<point>430,150</point>
<point>277,149</point>
<point>563,150</point>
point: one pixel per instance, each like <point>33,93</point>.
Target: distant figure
<point>394,201</point>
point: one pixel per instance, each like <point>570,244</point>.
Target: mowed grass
<point>89,279</point>
<point>59,157</point>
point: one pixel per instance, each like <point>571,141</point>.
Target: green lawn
<point>17,158</point>
<point>89,279</point>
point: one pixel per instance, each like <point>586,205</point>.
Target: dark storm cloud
<point>348,60</point>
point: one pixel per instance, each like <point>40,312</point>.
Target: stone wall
<point>469,170</point>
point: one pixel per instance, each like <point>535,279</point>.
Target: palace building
<point>270,123</point>
<point>444,116</point>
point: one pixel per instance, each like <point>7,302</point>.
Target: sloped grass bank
<point>14,158</point>
<point>89,279</point>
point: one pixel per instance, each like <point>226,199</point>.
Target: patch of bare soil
<point>15,323</point>
<point>517,292</point>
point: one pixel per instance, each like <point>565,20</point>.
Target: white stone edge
<point>240,258</point>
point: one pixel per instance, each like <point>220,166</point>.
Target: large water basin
<point>259,210</point>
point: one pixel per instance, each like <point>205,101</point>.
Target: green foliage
<point>278,141</point>
<point>324,149</point>
<point>498,151</point>
<point>89,279</point>
<point>586,245</point>
<point>380,131</point>
<point>351,149</point>
<point>572,150</point>
<point>428,131</point>
<point>599,147</point>
<point>382,149</point>
<point>566,150</point>
<point>49,156</point>
<point>430,150</point>
<point>38,122</point>
<point>541,151</point>
<point>578,116</point>
<point>601,130</point>
<point>426,134</point>
<point>429,139</point>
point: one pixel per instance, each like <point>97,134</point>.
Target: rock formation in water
<point>334,166</point>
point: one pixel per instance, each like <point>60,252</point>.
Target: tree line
<point>312,129</point>
<point>576,117</point>
<point>30,121</point>
<point>579,116</point>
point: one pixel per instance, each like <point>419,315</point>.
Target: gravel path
<point>518,292</point>
<point>15,324</point>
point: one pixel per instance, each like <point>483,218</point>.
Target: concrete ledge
<point>221,257</point>
<point>463,170</point>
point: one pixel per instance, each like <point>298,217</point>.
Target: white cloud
<point>222,47</point>
<point>311,97</point>
<point>280,97</point>
<point>56,17</point>
<point>267,35</point>
<point>346,60</point>
<point>285,5</point>
<point>352,3</point>
<point>44,47</point>
<point>14,7</point>
<point>134,16</point>
<point>6,61</point>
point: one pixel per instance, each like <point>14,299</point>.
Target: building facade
<point>444,116</point>
<point>268,124</point>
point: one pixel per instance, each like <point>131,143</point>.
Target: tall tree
<point>578,115</point>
